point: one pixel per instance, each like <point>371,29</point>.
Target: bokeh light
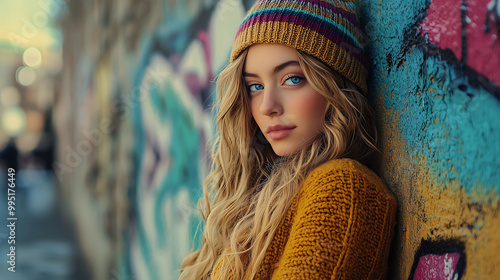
<point>9,96</point>
<point>25,75</point>
<point>13,121</point>
<point>27,142</point>
<point>35,120</point>
<point>32,57</point>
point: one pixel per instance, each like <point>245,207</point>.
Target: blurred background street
<point>31,63</point>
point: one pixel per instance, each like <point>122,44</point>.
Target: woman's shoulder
<point>346,176</point>
<point>343,169</point>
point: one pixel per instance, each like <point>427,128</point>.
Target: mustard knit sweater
<point>339,226</point>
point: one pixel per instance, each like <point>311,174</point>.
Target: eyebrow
<point>275,69</point>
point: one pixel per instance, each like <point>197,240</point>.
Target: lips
<point>279,131</point>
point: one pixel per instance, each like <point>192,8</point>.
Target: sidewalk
<point>44,244</point>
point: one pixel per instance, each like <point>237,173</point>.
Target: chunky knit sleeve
<point>342,228</point>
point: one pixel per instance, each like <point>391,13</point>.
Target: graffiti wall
<point>134,119</point>
<point>435,86</point>
<point>174,125</point>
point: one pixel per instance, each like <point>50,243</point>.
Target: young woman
<point>289,195</point>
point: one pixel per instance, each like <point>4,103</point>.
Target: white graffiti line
<point>224,6</point>
<point>448,269</point>
<point>493,8</point>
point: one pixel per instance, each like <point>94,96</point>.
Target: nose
<point>271,104</point>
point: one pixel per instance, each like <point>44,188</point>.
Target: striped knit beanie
<point>325,29</point>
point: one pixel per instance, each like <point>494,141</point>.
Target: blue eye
<point>294,80</point>
<point>255,87</point>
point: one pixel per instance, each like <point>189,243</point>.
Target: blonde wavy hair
<point>250,189</point>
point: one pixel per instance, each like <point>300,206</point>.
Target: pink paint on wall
<point>437,267</point>
<point>443,26</point>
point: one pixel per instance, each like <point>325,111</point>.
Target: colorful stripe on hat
<point>340,34</point>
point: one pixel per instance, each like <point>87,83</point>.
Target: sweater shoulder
<point>345,175</point>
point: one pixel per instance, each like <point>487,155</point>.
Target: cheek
<point>254,109</point>
<point>253,106</point>
<point>313,108</point>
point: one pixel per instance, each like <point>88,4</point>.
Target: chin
<point>284,152</point>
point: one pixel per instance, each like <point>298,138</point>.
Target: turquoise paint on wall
<point>454,124</point>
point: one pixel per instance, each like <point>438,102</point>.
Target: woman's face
<point>287,109</point>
